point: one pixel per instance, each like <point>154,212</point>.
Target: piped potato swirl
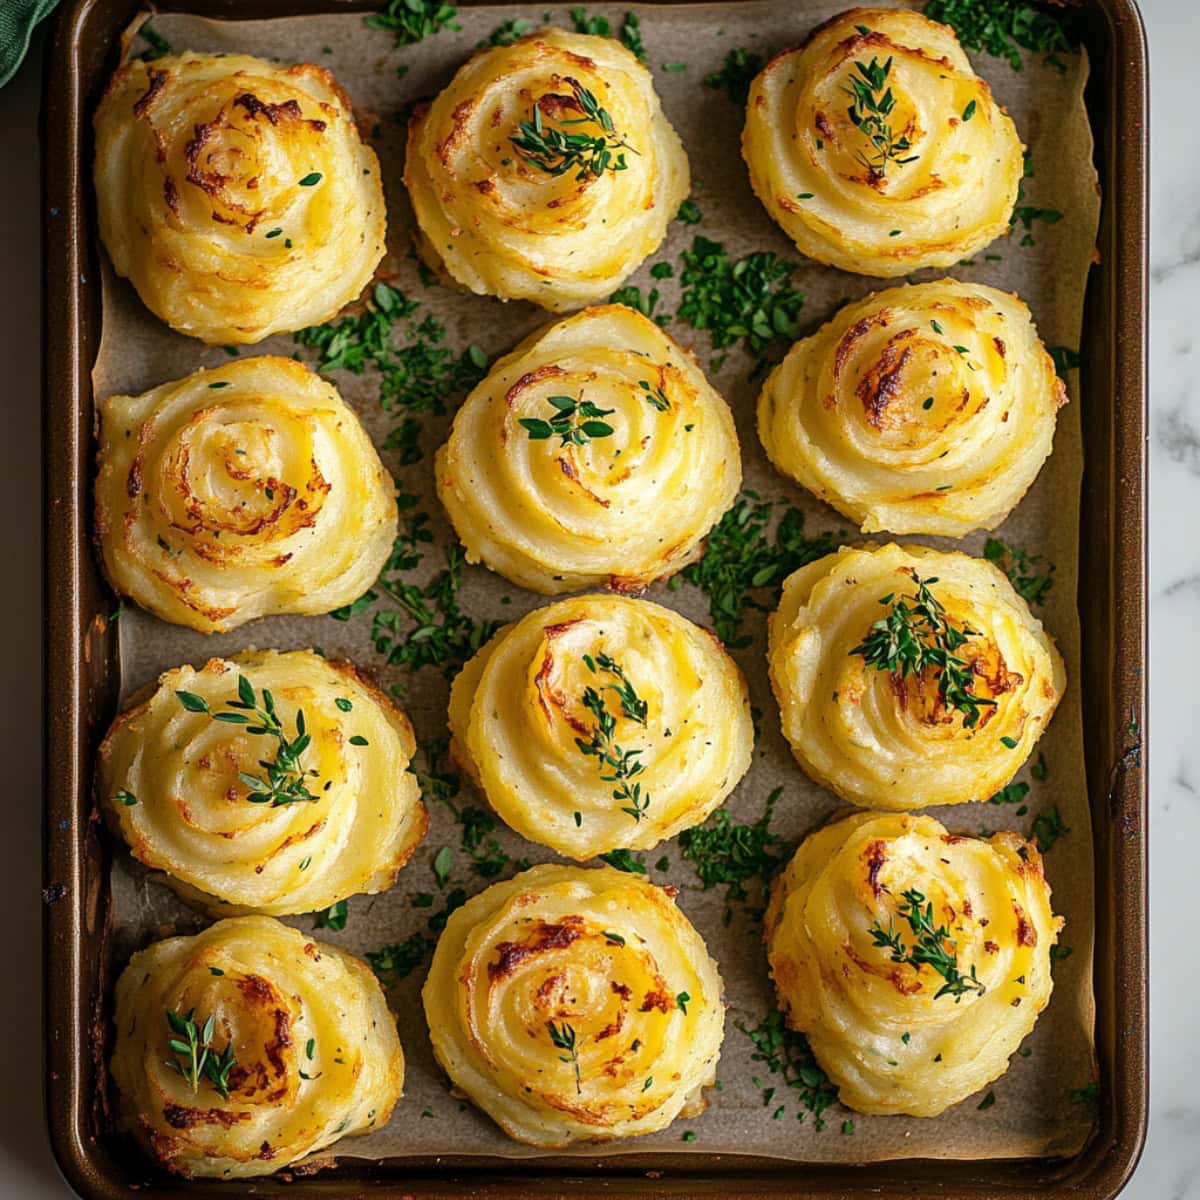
<point>315,1052</point>
<point>557,500</point>
<point>894,739</point>
<point>602,722</point>
<point>575,1005</point>
<point>921,409</point>
<point>238,492</point>
<point>236,194</point>
<point>559,229</point>
<point>877,149</point>
<point>177,776</point>
<point>903,1018</point>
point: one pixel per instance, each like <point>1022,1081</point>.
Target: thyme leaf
<point>575,421</point>
<point>287,778</point>
<point>563,1038</point>
<point>911,639</point>
<point>932,946</point>
<point>193,1054</point>
<point>557,150</point>
<point>871,103</point>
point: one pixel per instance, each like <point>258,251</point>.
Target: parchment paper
<point>1032,1113</point>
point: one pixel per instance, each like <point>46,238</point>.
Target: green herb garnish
<point>159,46</point>
<point>908,640</point>
<point>749,300</point>
<point>575,422</point>
<point>1020,568</point>
<point>418,376</point>
<point>1048,827</point>
<point>932,946</point>
<point>563,1038</point>
<point>736,75</point>
<point>596,26</point>
<point>785,1052</point>
<point>286,781</point>
<point>624,860</point>
<point>872,103</point>
<point>631,36</point>
<point>557,151</point>
<point>195,1056</point>
<point>723,853</point>
<point>333,917</point>
<point>508,32</point>
<point>414,20</point>
<point>740,558</point>
<point>622,765</point>
<point>427,627</point>
<point>1000,26</point>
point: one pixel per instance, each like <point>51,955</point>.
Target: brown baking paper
<point>1032,1113</point>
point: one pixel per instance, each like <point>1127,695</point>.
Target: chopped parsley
<point>1048,827</point>
<point>736,75</point>
<point>414,20</point>
<point>740,558</point>
<point>689,212</point>
<point>729,855</point>
<point>508,32</point>
<point>631,296</point>
<point>426,627</point>
<point>631,36</point>
<point>398,960</point>
<point>1013,793</point>
<point>625,860</point>
<point>418,376</point>
<point>785,1052</point>
<point>1020,567</point>
<point>597,26</point>
<point>334,917</point>
<point>1026,214</point>
<point>750,300</point>
<point>159,46</point>
<point>999,27</point>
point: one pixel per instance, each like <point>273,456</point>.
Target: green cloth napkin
<point>17,19</point>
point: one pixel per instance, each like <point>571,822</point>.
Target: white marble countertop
<point>1170,1168</point>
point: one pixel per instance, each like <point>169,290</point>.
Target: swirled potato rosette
<point>239,492</point>
<point>557,496</point>
<point>236,194</point>
<point>897,739</point>
<point>602,722</point>
<point>915,961</point>
<point>878,150</point>
<point>185,777</point>
<point>302,1049</point>
<point>575,1005</point>
<point>922,409</point>
<point>504,211</point>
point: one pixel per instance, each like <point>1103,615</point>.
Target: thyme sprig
<point>286,781</point>
<point>576,421</point>
<point>557,151</point>
<point>872,103</point>
<point>908,640</point>
<point>623,765</point>
<point>563,1038</point>
<point>200,1058</point>
<point>933,946</point>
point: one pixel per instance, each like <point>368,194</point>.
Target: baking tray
<point>82,682</point>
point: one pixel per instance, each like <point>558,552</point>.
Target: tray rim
<point>71,915</point>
